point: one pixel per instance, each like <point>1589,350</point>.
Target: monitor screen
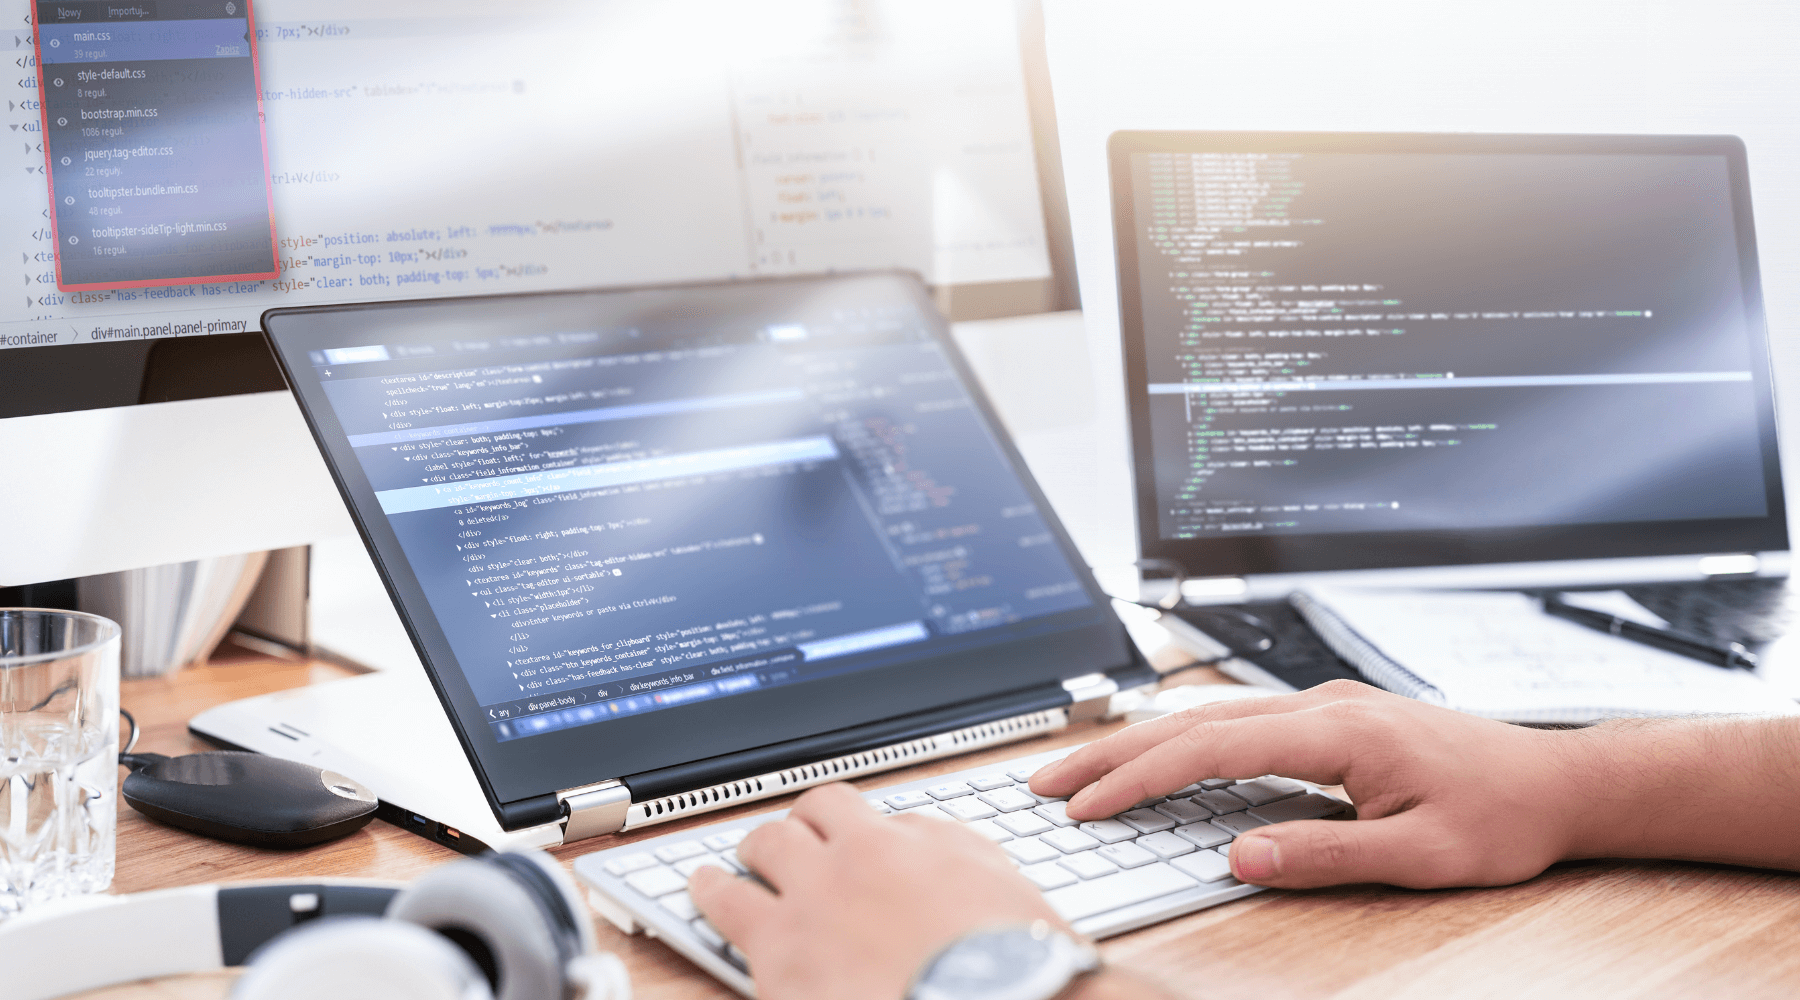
<point>1353,352</point>
<point>600,510</point>
<point>430,148</point>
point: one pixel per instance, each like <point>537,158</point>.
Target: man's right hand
<point>1445,798</point>
<point>1442,798</point>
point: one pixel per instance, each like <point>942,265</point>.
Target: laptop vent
<point>886,758</point>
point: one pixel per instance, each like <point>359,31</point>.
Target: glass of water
<point>59,750</point>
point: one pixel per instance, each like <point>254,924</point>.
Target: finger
<point>1404,850</point>
<point>832,809</point>
<point>775,851</point>
<point>736,906</point>
<point>1313,744</point>
<point>1087,765</point>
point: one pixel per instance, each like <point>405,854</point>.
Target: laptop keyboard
<point>1163,858</point>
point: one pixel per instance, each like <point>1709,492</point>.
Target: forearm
<point>1724,790</point>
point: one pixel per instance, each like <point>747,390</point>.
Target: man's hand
<point>1442,798</point>
<point>860,900</point>
<point>1446,799</point>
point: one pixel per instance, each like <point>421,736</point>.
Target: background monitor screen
<point>1362,351</point>
<point>452,147</point>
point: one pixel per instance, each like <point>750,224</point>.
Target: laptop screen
<point>1354,351</point>
<point>621,507</point>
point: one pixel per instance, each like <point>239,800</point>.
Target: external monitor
<point>1500,359</point>
<point>434,148</point>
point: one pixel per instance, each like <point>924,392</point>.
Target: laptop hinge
<point>596,809</point>
<point>1090,696</point>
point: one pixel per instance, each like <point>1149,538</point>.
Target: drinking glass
<point>59,771</point>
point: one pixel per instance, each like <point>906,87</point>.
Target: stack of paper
<point>1498,655</point>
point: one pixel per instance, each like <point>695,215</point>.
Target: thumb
<point>1306,854</point>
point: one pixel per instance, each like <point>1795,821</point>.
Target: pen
<point>1727,655</point>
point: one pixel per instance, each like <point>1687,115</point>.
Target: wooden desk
<point>1591,929</point>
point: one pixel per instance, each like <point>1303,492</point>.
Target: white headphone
<point>496,927</point>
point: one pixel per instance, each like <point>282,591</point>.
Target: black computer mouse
<point>247,798</point>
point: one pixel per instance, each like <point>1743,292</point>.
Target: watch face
<point>980,964</point>
<point>1013,963</point>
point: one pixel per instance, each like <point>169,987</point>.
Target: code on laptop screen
<point>682,500</point>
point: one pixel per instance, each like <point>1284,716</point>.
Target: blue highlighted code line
<point>584,477</point>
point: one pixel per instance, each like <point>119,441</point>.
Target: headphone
<point>495,927</point>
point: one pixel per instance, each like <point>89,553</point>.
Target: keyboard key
<point>1225,850</point>
<point>1055,812</point>
<point>725,841</point>
<point>969,809</point>
<point>1008,799</point>
<point>1030,850</point>
<point>1182,793</point>
<point>1088,865</point>
<point>989,782</point>
<point>1049,875</point>
<point>688,866</point>
<point>679,904</point>
<point>1041,798</point>
<point>1022,775</point>
<point>930,812</point>
<point>1203,865</point>
<point>1184,811</point>
<point>1165,845</point>
<point>1309,806</point>
<point>1238,824</point>
<point>1108,831</point>
<point>1202,834</point>
<point>907,800</point>
<point>708,934</point>
<point>671,853</point>
<point>1024,824</point>
<point>991,830</point>
<point>1069,840</point>
<point>1146,821</point>
<point>950,790</point>
<point>1262,791</point>
<point>1212,784</point>
<point>630,863</point>
<point>1085,899</point>
<point>659,881</point>
<point>731,859</point>
<point>1126,855</point>
<point>1221,802</point>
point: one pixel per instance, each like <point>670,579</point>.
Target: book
<point>1498,655</point>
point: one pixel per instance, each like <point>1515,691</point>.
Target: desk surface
<point>1591,929</point>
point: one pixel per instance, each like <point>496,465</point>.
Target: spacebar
<point>1113,891</point>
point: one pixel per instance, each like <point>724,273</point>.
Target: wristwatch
<point>1014,962</point>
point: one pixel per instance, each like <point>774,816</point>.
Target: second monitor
<point>1365,352</point>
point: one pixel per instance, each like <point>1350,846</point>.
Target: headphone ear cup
<point>494,918</point>
<point>355,957</point>
<point>574,906</point>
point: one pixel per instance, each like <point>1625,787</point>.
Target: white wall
<point>1724,66</point>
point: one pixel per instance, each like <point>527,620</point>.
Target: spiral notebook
<point>1498,655</point>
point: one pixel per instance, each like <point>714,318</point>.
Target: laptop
<point>669,549</point>
<point>1454,360</point>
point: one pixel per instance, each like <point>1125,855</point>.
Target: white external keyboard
<point>1166,857</point>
